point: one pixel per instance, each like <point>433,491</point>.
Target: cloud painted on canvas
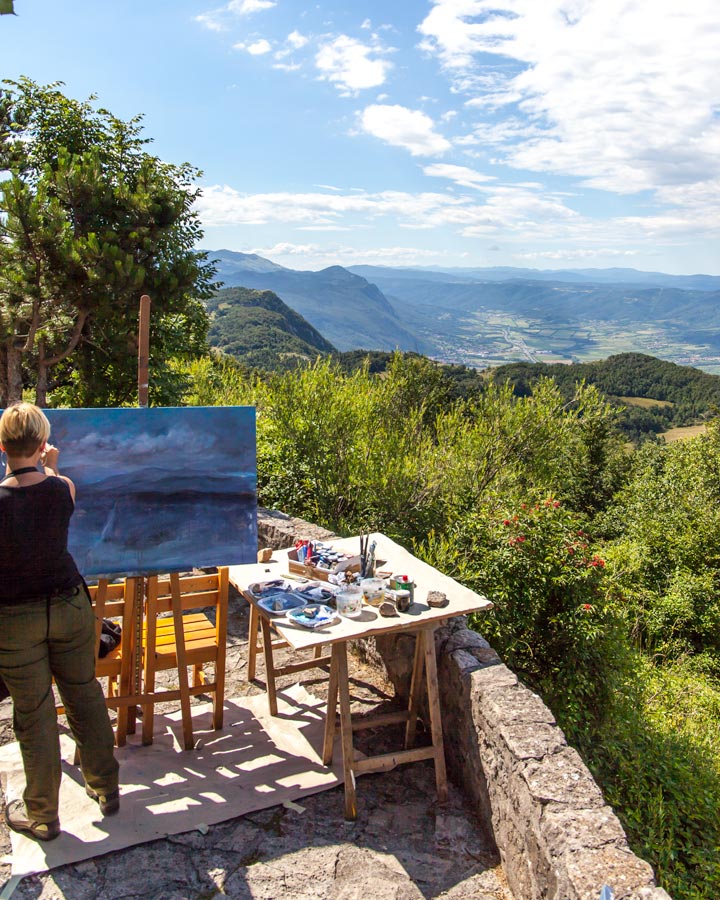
<point>159,490</point>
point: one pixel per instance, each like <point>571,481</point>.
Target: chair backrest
<point>109,602</point>
<point>196,591</point>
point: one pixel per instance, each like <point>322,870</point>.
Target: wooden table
<point>421,621</point>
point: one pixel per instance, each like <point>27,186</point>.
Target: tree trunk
<point>3,376</point>
<point>42,379</point>
<point>13,377</point>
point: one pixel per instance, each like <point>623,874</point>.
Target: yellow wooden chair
<point>186,638</point>
<point>115,601</point>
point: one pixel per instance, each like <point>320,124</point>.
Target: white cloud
<point>217,19</point>
<point>317,256</point>
<point>504,207</point>
<point>212,20</point>
<point>258,48</point>
<point>620,93</point>
<point>247,7</point>
<point>297,40</point>
<point>584,254</point>
<point>403,127</point>
<point>459,174</point>
<point>350,64</point>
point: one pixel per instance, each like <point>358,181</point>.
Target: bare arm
<point>49,462</point>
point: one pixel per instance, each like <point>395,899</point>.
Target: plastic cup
<point>349,601</point>
<point>373,591</point>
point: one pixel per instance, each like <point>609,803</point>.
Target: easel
<point>139,583</point>
<point>140,587</point>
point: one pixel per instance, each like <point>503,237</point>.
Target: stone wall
<point>557,838</point>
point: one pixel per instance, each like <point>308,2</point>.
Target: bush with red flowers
<point>551,622</point>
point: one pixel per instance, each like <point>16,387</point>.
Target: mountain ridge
<point>458,317</point>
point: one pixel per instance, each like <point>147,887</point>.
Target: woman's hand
<point>49,457</point>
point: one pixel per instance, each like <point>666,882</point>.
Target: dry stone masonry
<point>533,794</point>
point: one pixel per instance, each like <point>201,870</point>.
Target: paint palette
<point>314,615</point>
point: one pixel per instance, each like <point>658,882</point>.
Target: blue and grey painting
<point>159,490</point>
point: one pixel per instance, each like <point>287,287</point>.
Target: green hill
<point>687,394</point>
<point>258,329</point>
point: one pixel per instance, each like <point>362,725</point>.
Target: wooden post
<point>139,583</point>
<point>144,351</point>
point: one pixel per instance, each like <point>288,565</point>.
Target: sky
<point>536,133</point>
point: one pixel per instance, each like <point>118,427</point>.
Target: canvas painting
<point>159,490</point>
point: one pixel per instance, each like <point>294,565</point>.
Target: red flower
<point>520,538</point>
<point>587,606</point>
<point>506,521</point>
<point>556,503</point>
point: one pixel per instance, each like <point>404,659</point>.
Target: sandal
<point>17,818</point>
<point>109,803</point>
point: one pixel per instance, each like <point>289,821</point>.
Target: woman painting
<point>47,629</point>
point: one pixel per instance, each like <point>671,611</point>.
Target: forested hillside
<point>686,394</point>
<point>258,329</point>
<point>604,565</point>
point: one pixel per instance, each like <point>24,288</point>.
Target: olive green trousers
<point>41,640</point>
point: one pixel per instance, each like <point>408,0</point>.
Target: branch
<point>74,340</point>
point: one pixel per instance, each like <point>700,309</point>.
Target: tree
<point>89,220</point>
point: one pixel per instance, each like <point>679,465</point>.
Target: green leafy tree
<point>89,220</point>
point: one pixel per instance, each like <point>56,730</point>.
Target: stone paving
<point>403,846</point>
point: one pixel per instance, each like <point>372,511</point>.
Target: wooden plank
<point>379,721</point>
<point>331,713</point>
<point>340,652</point>
<point>269,666</point>
<point>253,646</point>
<point>304,666</point>
<point>221,620</point>
<point>433,695</point>
<point>385,762</point>
<point>415,691</point>
<point>182,664</point>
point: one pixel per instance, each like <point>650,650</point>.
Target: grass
<point>645,402</point>
<point>683,433</point>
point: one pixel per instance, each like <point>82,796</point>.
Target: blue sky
<point>539,133</point>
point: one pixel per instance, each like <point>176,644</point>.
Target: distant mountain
<point>258,329</point>
<point>485,318</point>
<point>376,274</point>
<point>489,317</point>
<point>348,310</point>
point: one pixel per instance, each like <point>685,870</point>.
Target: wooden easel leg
<point>332,701</point>
<point>346,731</point>
<point>253,629</point>
<point>269,666</point>
<point>415,690</point>
<point>137,600</point>
<point>188,738</point>
<point>433,695</point>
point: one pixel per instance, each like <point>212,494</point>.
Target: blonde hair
<point>23,429</point>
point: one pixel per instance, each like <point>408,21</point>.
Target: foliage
<point>691,393</point>
<point>89,220</point>
<point>667,550</point>
<point>657,762</point>
<point>258,329</point>
<point>462,382</point>
<point>395,452</point>
<point>603,565</point>
<point>551,622</point>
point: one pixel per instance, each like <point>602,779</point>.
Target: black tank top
<point>34,558</point>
